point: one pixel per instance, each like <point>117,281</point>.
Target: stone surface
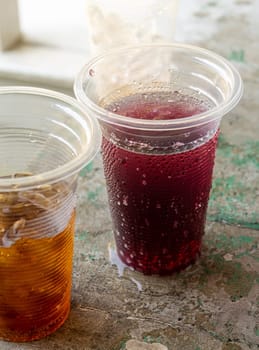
<point>214,304</point>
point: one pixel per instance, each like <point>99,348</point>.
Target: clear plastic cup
<point>113,23</point>
<point>159,107</point>
<point>45,139</point>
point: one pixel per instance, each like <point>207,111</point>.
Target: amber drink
<point>45,139</point>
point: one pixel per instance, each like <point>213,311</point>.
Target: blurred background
<point>46,42</point>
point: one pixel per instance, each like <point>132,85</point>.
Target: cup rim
<point>89,149</point>
<point>168,124</point>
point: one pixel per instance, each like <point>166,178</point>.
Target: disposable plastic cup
<point>159,107</point>
<point>45,139</point>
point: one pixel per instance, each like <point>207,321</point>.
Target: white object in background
<point>9,24</point>
<point>114,23</point>
<point>138,345</point>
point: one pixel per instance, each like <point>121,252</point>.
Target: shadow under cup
<point>45,139</point>
<point>158,169</point>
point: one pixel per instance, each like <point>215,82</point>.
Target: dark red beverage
<point>158,202</point>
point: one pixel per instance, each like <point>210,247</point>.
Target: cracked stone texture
<point>214,304</point>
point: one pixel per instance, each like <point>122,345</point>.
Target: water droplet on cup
<point>91,72</point>
<point>125,201</point>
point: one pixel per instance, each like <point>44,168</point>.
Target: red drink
<point>158,202</point>
<point>158,171</point>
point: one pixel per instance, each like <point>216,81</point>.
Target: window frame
<point>9,24</point>
<point>27,63</point>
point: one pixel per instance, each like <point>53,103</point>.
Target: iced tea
<point>36,248</point>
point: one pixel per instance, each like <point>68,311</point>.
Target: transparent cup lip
<point>89,149</point>
<point>168,124</point>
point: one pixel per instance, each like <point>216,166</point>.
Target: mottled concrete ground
<point>214,304</point>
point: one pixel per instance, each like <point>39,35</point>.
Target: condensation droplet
<point>125,200</point>
<point>179,144</point>
<point>198,206</point>
<point>91,72</point>
<point>147,222</point>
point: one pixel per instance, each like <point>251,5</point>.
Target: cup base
<point>163,267</point>
<point>14,335</point>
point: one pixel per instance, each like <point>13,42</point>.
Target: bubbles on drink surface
<point>160,105</point>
